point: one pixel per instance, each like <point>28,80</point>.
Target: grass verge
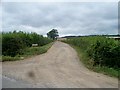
<point>89,64</point>
<point>28,52</point>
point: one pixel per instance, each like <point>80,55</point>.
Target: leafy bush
<point>103,51</point>
<point>29,51</point>
<point>11,45</point>
<point>14,42</point>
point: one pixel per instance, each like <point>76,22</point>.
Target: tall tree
<point>53,34</point>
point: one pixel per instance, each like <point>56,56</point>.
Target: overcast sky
<point>69,18</point>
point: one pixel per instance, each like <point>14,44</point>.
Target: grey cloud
<point>69,18</point>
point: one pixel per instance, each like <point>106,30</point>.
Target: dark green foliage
<point>14,42</point>
<point>103,51</point>
<point>28,52</point>
<point>53,34</point>
<point>11,45</point>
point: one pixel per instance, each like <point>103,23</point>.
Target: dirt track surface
<point>58,68</point>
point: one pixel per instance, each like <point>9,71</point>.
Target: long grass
<point>28,52</point>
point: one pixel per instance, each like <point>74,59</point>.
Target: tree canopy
<point>53,34</point>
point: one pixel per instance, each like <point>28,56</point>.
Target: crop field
<point>98,53</point>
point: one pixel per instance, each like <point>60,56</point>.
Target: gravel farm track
<point>60,67</point>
